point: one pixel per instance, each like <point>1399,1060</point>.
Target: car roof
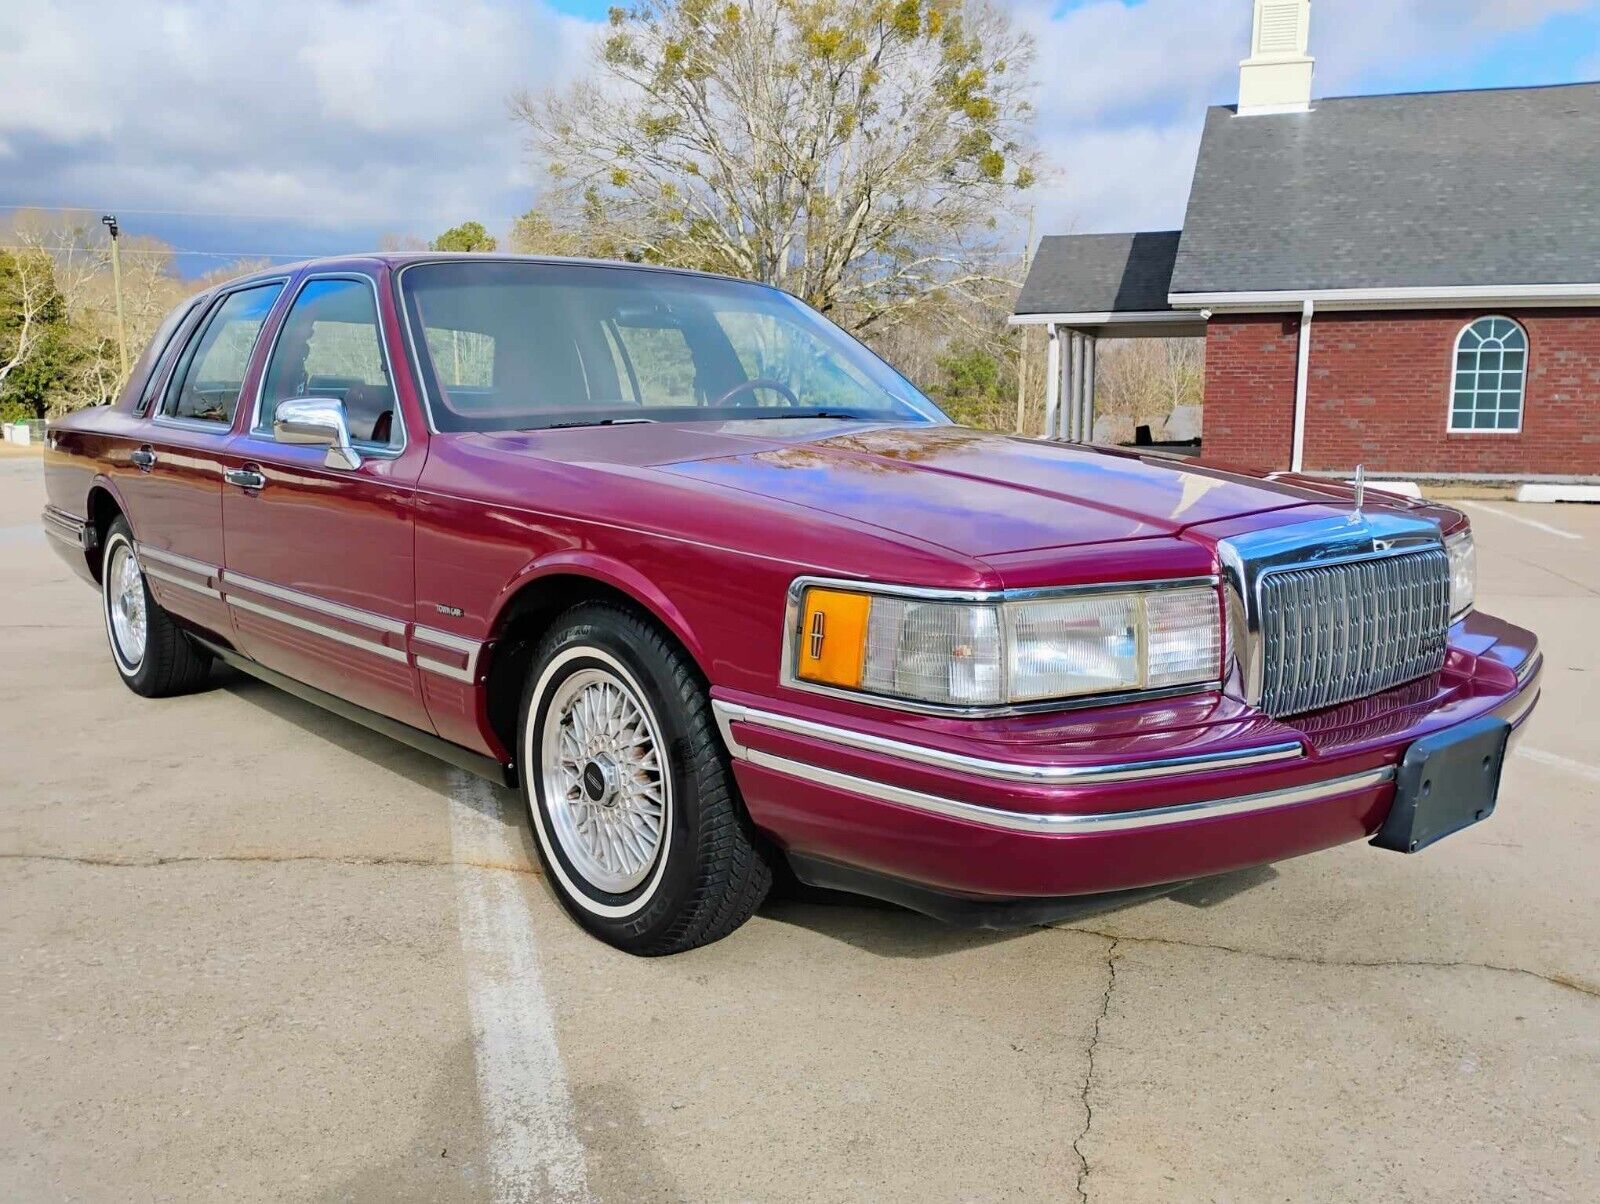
<point>401,259</point>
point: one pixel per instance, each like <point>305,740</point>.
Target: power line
<point>275,217</point>
<point>173,251</point>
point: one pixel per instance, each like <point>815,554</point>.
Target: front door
<point>174,495</point>
<point>319,559</point>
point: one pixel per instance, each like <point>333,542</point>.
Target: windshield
<point>511,345</point>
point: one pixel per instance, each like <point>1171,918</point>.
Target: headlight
<point>1463,573</point>
<point>1002,652</point>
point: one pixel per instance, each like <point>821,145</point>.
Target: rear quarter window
<point>163,350</point>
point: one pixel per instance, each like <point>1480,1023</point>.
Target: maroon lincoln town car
<point>720,590</point>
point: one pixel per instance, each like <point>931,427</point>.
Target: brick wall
<point>1249,409</point>
<point>1379,394</point>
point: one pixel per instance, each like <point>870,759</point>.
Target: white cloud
<point>394,111</point>
<point>312,110</point>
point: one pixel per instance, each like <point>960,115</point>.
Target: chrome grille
<point>1331,633</point>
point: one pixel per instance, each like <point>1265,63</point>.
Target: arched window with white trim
<point>1491,371</point>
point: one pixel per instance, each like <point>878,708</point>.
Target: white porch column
<point>1069,419</point>
<point>1052,379</point>
<point>1302,376</point>
<point>1086,421</point>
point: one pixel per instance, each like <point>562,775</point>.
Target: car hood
<point>979,493</point>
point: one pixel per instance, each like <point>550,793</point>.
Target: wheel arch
<point>104,507</point>
<point>541,593</point>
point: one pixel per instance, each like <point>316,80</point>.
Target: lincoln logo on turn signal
<point>818,623</point>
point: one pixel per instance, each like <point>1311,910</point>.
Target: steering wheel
<point>750,386</point>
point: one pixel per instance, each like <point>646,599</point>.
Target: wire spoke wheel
<point>605,779</point>
<point>125,603</point>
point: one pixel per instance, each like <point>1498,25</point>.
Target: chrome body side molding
<point>337,610</point>
<point>181,582</point>
<point>199,567</point>
<point>246,593</point>
<point>453,643</point>
<point>728,713</point>
<point>327,633</point>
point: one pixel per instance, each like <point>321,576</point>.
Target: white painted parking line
<point>1517,518</point>
<point>1557,761</point>
<point>534,1151</point>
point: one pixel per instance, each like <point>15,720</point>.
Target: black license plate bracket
<point>1446,782</point>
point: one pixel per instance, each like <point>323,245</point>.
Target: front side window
<point>509,345</point>
<point>205,386</point>
<point>330,347</point>
<point>1491,371</point>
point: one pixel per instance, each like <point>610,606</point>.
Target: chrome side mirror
<point>317,422</point>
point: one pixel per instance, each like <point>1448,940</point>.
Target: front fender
<point>607,570</point>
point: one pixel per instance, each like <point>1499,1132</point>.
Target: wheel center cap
<point>600,781</point>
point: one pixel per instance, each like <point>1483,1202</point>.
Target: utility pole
<point>1022,337</point>
<point>109,221</point>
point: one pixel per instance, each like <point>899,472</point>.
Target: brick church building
<point>1407,282</point>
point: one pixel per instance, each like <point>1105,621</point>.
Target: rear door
<point>174,496</point>
<point>319,559</point>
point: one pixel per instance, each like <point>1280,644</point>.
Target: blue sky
<point>314,126</point>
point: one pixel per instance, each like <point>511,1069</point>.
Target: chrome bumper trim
<point>1515,709</point>
<point>728,713</point>
<point>1059,823</point>
<point>68,528</point>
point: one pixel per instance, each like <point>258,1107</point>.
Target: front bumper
<point>1171,792</point>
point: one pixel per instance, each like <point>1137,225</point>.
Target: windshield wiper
<point>561,426</point>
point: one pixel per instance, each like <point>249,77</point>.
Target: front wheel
<point>153,656</point>
<point>632,803</point>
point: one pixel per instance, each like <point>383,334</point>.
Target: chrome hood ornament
<point>1360,484</point>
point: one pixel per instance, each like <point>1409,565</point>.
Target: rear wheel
<point>632,803</point>
<point>153,655</point>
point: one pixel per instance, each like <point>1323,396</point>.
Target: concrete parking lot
<point>252,951</point>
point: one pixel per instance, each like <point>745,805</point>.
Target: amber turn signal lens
<point>833,637</point>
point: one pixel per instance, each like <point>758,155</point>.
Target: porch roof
<point>1113,284</point>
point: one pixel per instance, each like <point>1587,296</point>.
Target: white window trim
<point>1450,394</point>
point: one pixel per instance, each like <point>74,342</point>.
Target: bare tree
<point>150,290</point>
<point>30,301</point>
<point>858,153</point>
<point>1141,381</point>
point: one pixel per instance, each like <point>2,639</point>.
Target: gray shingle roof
<point>1099,273</point>
<point>1495,187</point>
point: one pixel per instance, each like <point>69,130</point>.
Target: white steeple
<point>1276,78</point>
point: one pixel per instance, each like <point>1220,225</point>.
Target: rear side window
<point>205,386</point>
<point>329,347</point>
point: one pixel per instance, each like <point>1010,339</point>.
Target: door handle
<point>144,458</point>
<point>244,478</point>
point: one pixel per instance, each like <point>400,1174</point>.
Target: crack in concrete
<point>1088,1071</point>
<point>1555,980</point>
<point>120,862</point>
